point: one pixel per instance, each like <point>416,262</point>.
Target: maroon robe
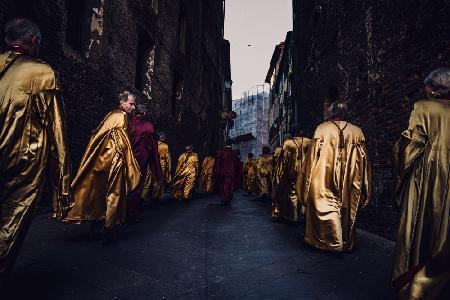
<point>145,150</point>
<point>225,169</point>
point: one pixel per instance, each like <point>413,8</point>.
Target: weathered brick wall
<point>91,82</point>
<point>377,53</point>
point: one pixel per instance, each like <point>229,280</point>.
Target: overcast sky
<point>262,24</point>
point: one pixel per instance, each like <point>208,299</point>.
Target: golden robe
<point>32,140</point>
<point>276,169</point>
<point>206,175</point>
<point>184,179</point>
<point>251,176</point>
<point>285,201</point>
<point>335,183</point>
<point>107,173</point>
<point>153,188</point>
<point>421,167</point>
<point>265,169</point>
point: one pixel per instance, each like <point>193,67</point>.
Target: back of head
<point>339,110</point>
<point>265,150</point>
<point>438,83</point>
<point>250,155</point>
<point>140,110</point>
<point>21,31</point>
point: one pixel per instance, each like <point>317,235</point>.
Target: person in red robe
<point>145,150</point>
<point>226,169</point>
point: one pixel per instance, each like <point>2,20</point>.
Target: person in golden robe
<point>264,166</point>
<point>285,205</point>
<point>335,182</point>
<point>206,175</point>
<point>251,175</point>
<point>275,169</point>
<point>33,138</point>
<point>185,175</point>
<point>421,173</point>
<point>153,189</point>
<point>107,173</point>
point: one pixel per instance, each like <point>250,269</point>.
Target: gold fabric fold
<point>265,170</point>
<point>206,175</point>
<point>185,175</point>
<point>33,141</point>
<point>334,183</point>
<point>421,172</point>
<point>250,175</point>
<point>285,202</point>
<point>107,173</point>
<point>153,188</point>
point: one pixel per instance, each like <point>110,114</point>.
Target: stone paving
<point>199,250</point>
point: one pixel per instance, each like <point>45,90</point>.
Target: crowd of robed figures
<point>326,179</point>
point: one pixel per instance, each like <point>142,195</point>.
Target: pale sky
<point>261,24</point>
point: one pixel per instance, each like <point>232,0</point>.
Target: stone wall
<point>169,52</point>
<point>376,55</point>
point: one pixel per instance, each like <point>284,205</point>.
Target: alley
<point>197,251</point>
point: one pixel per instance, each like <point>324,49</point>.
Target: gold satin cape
<point>32,141</point>
<point>206,175</point>
<point>335,183</point>
<point>251,176</point>
<point>184,179</point>
<point>153,188</point>
<point>107,173</point>
<point>276,169</point>
<point>285,201</point>
<point>421,173</point>
<point>265,169</point>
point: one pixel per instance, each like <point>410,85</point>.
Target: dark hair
<point>250,155</point>
<point>296,129</point>
<point>339,109</point>
<point>21,30</point>
<point>265,150</point>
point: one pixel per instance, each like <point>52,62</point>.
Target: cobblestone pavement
<point>199,250</point>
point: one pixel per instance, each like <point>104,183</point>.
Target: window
<point>177,102</point>
<point>155,6</point>
<point>145,64</point>
<point>182,35</point>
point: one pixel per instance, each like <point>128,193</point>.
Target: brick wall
<point>93,45</point>
<point>377,53</point>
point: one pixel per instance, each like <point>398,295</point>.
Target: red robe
<point>145,151</point>
<point>225,169</point>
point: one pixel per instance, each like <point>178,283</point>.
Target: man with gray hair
<point>32,138</point>
<point>107,173</point>
<point>421,267</point>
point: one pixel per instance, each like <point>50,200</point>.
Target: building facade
<point>250,132</point>
<point>171,53</point>
<point>375,55</point>
<point>283,110</point>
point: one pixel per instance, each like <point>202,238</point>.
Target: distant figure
<point>154,187</point>
<point>335,182</point>
<point>206,183</point>
<point>108,173</point>
<point>265,170</point>
<point>239,172</point>
<point>33,138</point>
<point>226,168</point>
<point>286,205</point>
<point>250,175</point>
<point>145,150</point>
<point>185,175</point>
<point>422,181</point>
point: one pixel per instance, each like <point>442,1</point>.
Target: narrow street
<point>197,251</point>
